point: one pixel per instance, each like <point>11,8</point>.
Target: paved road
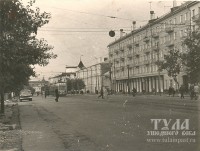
<point>120,123</point>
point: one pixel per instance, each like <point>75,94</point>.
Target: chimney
<point>105,59</point>
<point>121,33</point>
<point>134,25</point>
<point>151,15</point>
<point>174,3</point>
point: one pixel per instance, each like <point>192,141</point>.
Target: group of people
<point>193,91</point>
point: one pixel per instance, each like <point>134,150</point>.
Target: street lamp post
<point>159,88</point>
<point>128,80</point>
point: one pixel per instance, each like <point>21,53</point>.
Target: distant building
<point>60,81</point>
<point>134,55</point>
<point>37,85</point>
<point>94,78</point>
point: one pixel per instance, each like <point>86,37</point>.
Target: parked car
<point>25,94</point>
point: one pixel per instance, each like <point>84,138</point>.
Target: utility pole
<point>158,50</point>
<point>128,80</point>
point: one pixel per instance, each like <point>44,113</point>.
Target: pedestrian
<point>196,91</point>
<point>106,93</point>
<point>173,91</point>
<point>134,91</point>
<point>192,91</point>
<point>45,94</point>
<point>182,91</point>
<point>170,91</point>
<point>57,95</point>
<point>101,93</point>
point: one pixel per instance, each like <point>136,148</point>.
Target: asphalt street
<point>119,123</point>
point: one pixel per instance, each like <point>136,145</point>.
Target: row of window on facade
<point>170,37</point>
<point>119,71</point>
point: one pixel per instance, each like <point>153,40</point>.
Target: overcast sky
<point>80,27</point>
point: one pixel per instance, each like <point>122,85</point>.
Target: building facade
<point>94,77</point>
<point>134,56</point>
<point>37,85</point>
<point>60,81</point>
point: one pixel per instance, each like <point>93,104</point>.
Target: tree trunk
<point>2,102</point>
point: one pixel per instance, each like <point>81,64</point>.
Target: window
<point>174,21</point>
<point>193,12</point>
<point>186,16</point>
<point>170,22</point>
<point>181,19</point>
<point>181,33</point>
<point>175,35</point>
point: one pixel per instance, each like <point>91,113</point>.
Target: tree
<point>191,59</point>
<point>75,84</point>
<point>172,64</point>
<point>20,50</point>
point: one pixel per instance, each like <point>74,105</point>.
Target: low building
<point>94,76</point>
<point>37,85</point>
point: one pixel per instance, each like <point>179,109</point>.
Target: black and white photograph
<point>99,75</point>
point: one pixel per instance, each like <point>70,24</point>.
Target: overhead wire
<point>88,13</point>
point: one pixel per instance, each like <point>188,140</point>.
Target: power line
<point>88,13</point>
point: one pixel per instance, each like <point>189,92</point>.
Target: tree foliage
<point>20,50</point>
<point>172,64</point>
<point>75,84</point>
<point>191,59</point>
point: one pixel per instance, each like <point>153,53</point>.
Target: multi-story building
<point>95,76</point>
<point>134,55</point>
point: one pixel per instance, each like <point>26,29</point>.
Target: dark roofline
<point>160,19</point>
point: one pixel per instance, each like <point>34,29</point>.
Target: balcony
<point>121,49</point>
<point>196,18</point>
<point>136,64</point>
<point>155,35</point>
<point>122,58</point>
<point>146,39</point>
<point>129,46</point>
<point>169,43</point>
<point>122,68</point>
<point>116,51</point>
<point>146,62</point>
<point>146,50</point>
<point>137,43</point>
<point>155,48</point>
<point>130,55</point>
<point>117,60</point>
<point>169,29</point>
<point>137,54</point>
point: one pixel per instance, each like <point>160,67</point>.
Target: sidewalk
<point>36,133</point>
<point>10,136</point>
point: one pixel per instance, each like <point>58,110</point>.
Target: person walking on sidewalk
<point>182,91</point>
<point>57,95</point>
<point>106,93</point>
<point>101,93</point>
<point>196,91</point>
<point>134,91</point>
<point>192,91</point>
